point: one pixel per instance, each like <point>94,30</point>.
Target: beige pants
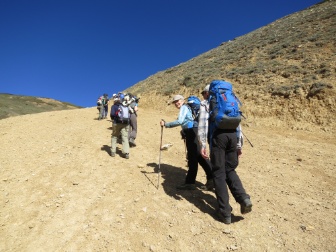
<point>117,129</point>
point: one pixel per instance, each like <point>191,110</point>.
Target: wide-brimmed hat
<point>206,89</point>
<point>177,98</point>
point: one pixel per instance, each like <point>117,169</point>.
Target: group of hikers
<point>124,120</point>
<point>215,122</point>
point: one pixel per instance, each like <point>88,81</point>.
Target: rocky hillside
<point>285,71</point>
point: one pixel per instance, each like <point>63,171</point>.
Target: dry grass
<point>275,71</point>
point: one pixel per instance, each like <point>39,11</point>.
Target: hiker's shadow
<point>205,201</point>
<point>107,149</point>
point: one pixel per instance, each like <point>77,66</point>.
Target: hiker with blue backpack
<point>120,126</point>
<point>219,125</point>
<point>189,129</point>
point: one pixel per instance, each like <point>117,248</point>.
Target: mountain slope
<point>13,105</point>
<point>285,71</point>
<point>61,191</point>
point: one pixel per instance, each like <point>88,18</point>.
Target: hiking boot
<point>225,219</point>
<point>112,154</point>
<point>246,206</point>
<point>127,155</point>
<point>132,142</point>
<point>210,185</point>
<point>186,187</point>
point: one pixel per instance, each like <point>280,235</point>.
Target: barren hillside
<point>61,190</point>
<point>285,71</point>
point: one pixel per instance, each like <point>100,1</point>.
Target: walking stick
<point>159,173</point>
<point>243,132</point>
<point>247,139</point>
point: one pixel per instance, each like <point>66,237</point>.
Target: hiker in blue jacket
<point>186,121</point>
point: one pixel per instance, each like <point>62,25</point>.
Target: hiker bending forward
<point>225,148</point>
<point>185,119</point>
<point>119,128</point>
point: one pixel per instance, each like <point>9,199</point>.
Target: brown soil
<point>61,191</point>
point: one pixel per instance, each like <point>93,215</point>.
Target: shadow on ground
<point>107,149</point>
<point>171,176</point>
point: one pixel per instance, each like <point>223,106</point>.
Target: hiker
<point>225,148</point>
<point>186,121</point>
<point>120,126</point>
<point>101,106</point>
<point>132,133</point>
<point>106,103</point>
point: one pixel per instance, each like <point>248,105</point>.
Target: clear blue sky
<point>76,50</point>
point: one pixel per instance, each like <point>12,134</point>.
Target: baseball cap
<point>177,98</point>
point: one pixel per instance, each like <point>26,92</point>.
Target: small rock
<point>227,231</point>
<point>310,228</point>
<point>233,247</point>
<point>166,146</point>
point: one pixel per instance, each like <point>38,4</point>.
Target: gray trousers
<point>132,133</point>
<point>101,112</point>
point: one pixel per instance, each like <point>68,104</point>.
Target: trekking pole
<point>247,138</point>
<point>159,173</point>
<point>185,149</point>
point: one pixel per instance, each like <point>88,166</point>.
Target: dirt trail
<point>61,191</point>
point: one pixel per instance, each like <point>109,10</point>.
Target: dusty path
<point>61,191</point>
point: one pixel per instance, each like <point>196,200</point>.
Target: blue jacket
<point>185,119</point>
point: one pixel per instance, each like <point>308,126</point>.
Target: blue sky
<point>74,51</point>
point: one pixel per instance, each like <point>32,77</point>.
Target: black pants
<point>194,157</point>
<point>224,160</point>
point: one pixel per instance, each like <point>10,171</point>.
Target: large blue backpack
<point>224,105</point>
<point>194,103</point>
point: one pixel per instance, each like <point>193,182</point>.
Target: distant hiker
<point>133,108</point>
<point>106,103</point>
<point>120,126</point>
<point>186,121</point>
<point>225,147</point>
<point>101,106</point>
